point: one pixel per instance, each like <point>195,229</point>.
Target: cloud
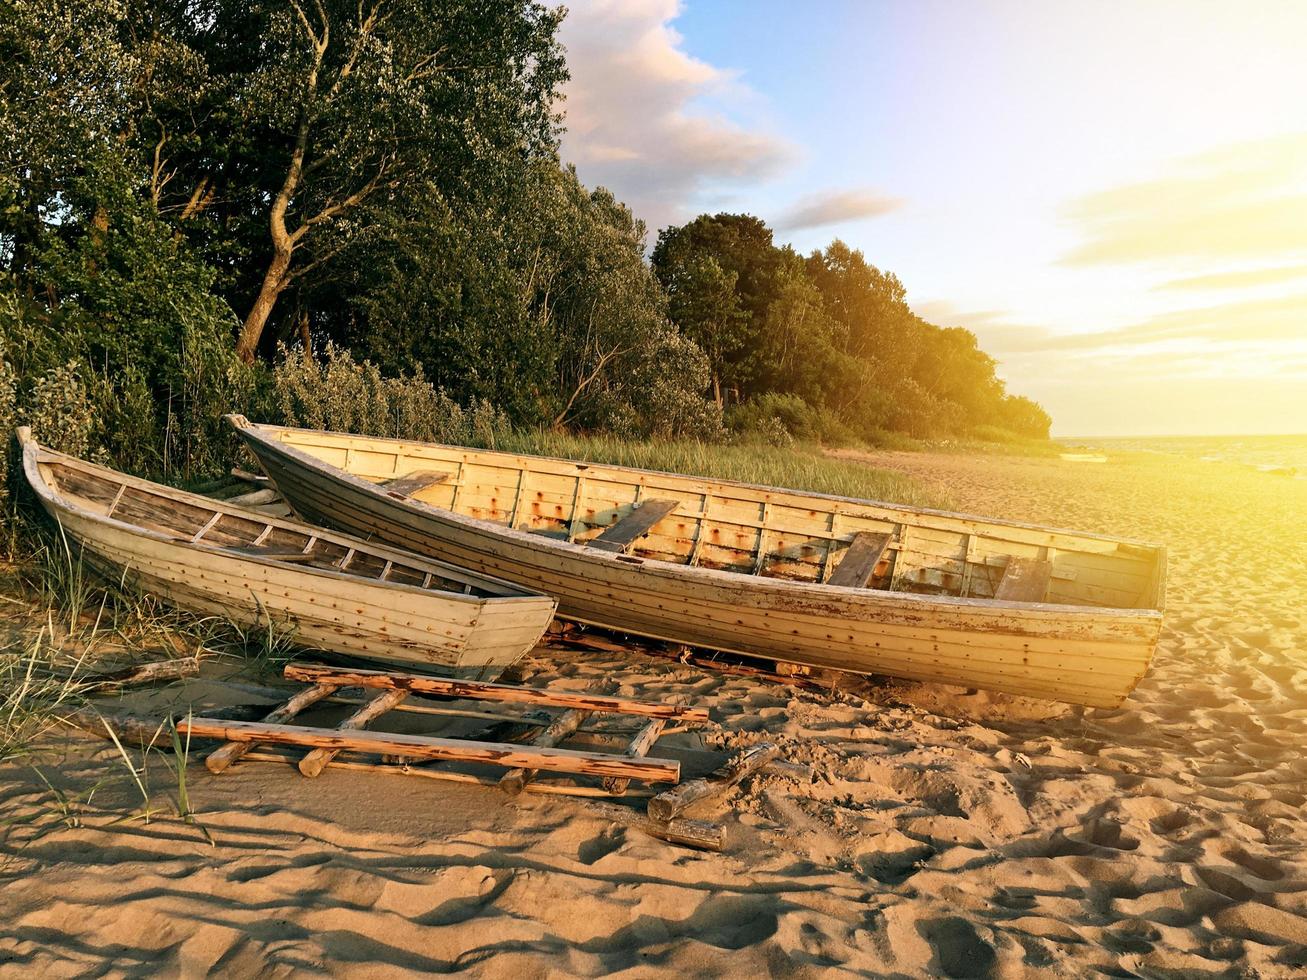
<point>1238,279</point>
<point>633,122</point>
<point>993,328</point>
<point>1244,201</point>
<point>834,207</point>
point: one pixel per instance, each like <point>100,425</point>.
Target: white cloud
<point>834,207</point>
<point>632,121</point>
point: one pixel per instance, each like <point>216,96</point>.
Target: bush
<point>337,393</point>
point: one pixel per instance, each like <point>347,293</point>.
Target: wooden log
<point>859,562</point>
<point>566,724</point>
<point>638,749</point>
<point>427,771</point>
<point>267,495</point>
<point>246,476</point>
<point>429,747</point>
<point>317,674</point>
<point>151,673</point>
<point>619,537</point>
<point>674,801</point>
<point>1024,580</point>
<point>691,833</point>
<point>222,757</point>
<point>128,728</point>
<point>406,486</point>
<point>317,760</point>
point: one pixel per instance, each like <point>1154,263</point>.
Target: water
<point>1279,455</point>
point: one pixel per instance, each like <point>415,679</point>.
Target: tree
<point>323,119</point>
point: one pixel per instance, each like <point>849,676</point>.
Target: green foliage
<point>340,394</point>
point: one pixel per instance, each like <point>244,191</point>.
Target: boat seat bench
<point>860,560</point>
<point>1024,580</point>
<point>619,537</point>
<point>411,483</point>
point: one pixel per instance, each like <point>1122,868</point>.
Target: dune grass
<point>800,467</point>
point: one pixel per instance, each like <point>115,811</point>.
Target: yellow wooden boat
<point>336,592</point>
<point>803,578</point>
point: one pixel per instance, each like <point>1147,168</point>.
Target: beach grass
<point>798,467</point>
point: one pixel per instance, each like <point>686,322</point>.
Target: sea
<point>1279,455</point>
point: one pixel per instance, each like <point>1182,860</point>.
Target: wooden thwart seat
<point>619,537</point>
<point>1024,580</point>
<point>411,483</point>
<point>859,562</point>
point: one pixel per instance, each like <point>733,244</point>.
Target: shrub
<point>341,394</point>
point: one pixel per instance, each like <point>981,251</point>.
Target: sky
<point>1111,195</point>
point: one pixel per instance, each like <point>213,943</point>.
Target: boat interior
<point>193,519</point>
<point>641,514</point>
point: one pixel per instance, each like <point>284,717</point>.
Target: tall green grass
<point>798,467</point>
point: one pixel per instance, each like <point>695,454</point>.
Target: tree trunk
<point>273,283</point>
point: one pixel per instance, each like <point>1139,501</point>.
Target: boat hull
<point>1077,654</point>
<point>446,633</point>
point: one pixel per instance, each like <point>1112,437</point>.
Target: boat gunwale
<point>675,570</point>
<point>33,451</point>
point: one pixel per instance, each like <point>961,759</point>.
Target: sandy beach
<point>946,832</point>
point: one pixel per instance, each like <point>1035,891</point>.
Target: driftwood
<point>317,760</point>
<point>313,674</point>
<point>151,673</point>
<point>268,495</point>
<point>676,800</point>
<point>639,747</point>
<point>431,771</point>
<point>566,724</point>
<point>693,833</point>
<point>221,758</point>
<point>245,476</point>
<point>428,747</point>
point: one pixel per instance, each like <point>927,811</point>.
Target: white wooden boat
<point>805,578</point>
<point>335,592</point>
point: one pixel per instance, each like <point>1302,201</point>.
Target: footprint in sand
<point>959,950</point>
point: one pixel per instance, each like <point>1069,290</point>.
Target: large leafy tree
<point>323,120</point>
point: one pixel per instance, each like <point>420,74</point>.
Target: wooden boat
<point>804,578</point>
<point>336,592</point>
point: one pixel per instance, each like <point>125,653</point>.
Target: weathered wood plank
<point>411,483</point>
<point>1024,580</point>
<point>222,757</point>
<point>860,560</point>
<point>317,760</point>
<point>690,833</point>
<point>674,801</point>
<point>638,749</point>
<point>562,727</point>
<point>318,674</point>
<point>619,537</point>
<point>430,747</point>
<point>276,554</point>
<point>267,495</point>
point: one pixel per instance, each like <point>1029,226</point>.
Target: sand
<point>947,834</point>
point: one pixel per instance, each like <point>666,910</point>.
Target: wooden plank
<point>562,727</point>
<point>268,495</point>
<point>638,749</point>
<point>1024,580</point>
<point>411,483</point>
<point>449,687</point>
<point>430,747</point>
<point>860,560</point>
<point>666,806</point>
<point>619,537</point>
<point>317,760</point>
<point>276,554</point>
<point>222,757</point>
